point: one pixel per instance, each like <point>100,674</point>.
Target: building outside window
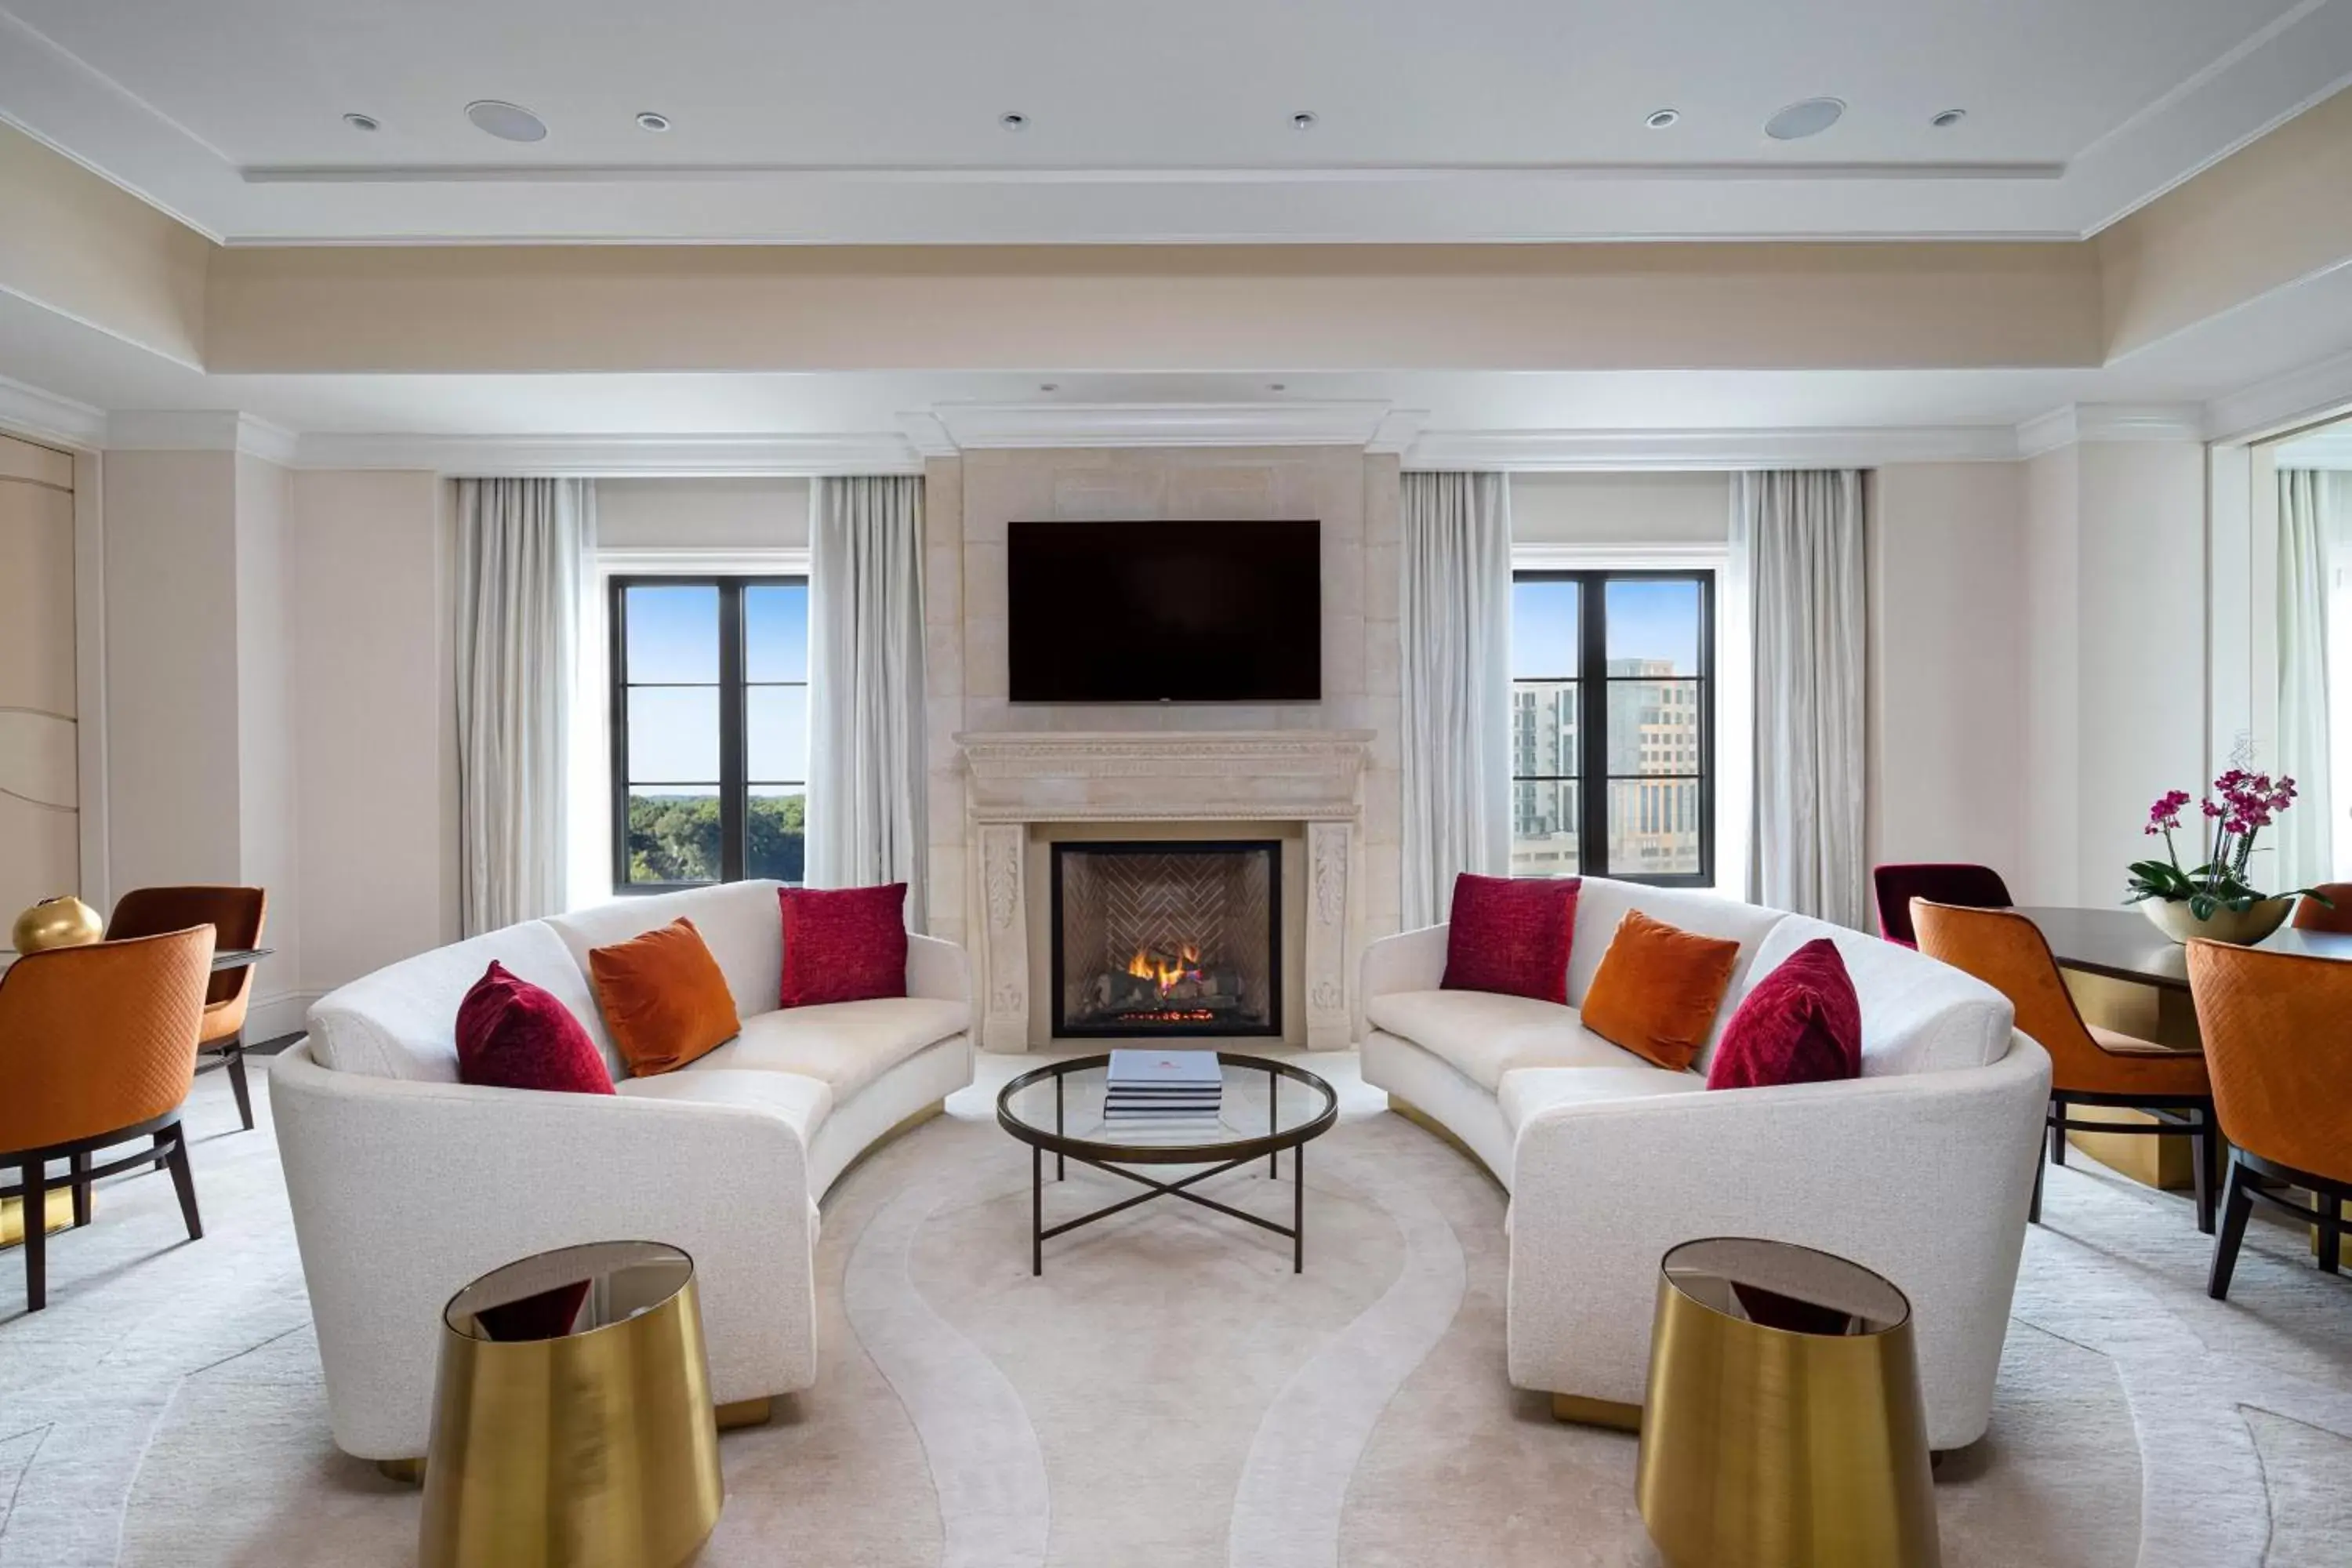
<point>1627,656</point>
<point>709,723</point>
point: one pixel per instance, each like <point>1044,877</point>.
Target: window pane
<point>673,634</point>
<point>1652,626</point>
<point>673,735</point>
<point>1654,828</point>
<point>1654,726</point>
<point>777,837</point>
<point>1543,628</point>
<point>776,634</point>
<point>776,745</point>
<point>1543,830</point>
<point>674,834</point>
<point>1543,729</point>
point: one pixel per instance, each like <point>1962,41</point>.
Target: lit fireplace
<point>1172,937</point>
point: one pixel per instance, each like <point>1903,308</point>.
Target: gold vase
<point>1783,1425</point>
<point>62,921</point>
<point>571,1420</point>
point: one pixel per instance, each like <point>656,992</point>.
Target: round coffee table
<point>1057,1109</point>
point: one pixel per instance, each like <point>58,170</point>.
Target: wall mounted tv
<point>1165,611</point>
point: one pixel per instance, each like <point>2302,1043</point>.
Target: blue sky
<point>673,636</point>
<point>1646,620</point>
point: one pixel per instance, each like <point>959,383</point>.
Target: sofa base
<point>1428,1123</point>
<point>890,1134</point>
<point>1583,1412</point>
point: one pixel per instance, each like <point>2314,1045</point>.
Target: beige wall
<point>1604,510</point>
<point>702,514</point>
<point>1946,670</point>
<point>968,503</point>
<point>268,662</point>
<point>39,776</point>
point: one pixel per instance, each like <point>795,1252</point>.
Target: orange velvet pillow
<point>1657,989</point>
<point>663,997</point>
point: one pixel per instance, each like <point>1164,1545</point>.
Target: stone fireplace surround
<point>1311,778</point>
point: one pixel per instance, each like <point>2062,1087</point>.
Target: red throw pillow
<point>1801,1024</point>
<point>514,1035</point>
<point>844,944</point>
<point>1510,934</point>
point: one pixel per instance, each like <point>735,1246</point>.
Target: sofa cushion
<point>1657,990</point>
<point>1801,1024</point>
<point>1918,1015</point>
<point>804,1101</point>
<point>846,1044</point>
<point>737,919</point>
<point>843,945</point>
<point>401,1021</point>
<point>1603,904</point>
<point>664,1000</point>
<point>1527,1091</point>
<point>514,1035</point>
<point>1482,1035</point>
<point>1510,936</point>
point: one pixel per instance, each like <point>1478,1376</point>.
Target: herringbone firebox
<point>1167,937</point>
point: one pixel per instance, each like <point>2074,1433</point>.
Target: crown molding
<point>2076,423</point>
<point>927,435</point>
<point>617,457</point>
<point>2287,401</point>
<point>1540,451</point>
<point>983,426</point>
<point>38,415</point>
<point>201,430</point>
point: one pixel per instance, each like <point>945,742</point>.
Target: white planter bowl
<point>2240,927</point>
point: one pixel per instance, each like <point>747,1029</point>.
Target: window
<point>1628,657</point>
<point>710,720</point>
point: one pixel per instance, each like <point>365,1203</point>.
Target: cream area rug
<point>1168,1395</point>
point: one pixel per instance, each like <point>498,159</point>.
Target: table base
<point>1040,1232</point>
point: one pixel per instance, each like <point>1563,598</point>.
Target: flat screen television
<point>1165,611</point>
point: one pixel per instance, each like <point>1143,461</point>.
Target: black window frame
<point>734,783</point>
<point>1593,681</point>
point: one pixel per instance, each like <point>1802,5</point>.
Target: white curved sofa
<point>406,1183</point>
<point>1920,1169</point>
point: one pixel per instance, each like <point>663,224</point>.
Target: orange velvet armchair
<point>2088,1065</point>
<point>235,916</point>
<point>98,1047</point>
<point>2278,1035</point>
<point>2336,915</point>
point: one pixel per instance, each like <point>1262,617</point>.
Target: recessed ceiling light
<point>1013,120</point>
<point>360,122</point>
<point>1049,386</point>
<point>1662,118</point>
<point>649,120</point>
<point>1303,121</point>
<point>1277,387</point>
<point>1948,119</point>
<point>1809,118</point>
<point>507,121</point>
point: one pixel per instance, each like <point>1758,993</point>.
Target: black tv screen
<point>1165,611</point>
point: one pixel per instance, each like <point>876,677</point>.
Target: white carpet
<point>1169,1394</point>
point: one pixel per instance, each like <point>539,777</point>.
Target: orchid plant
<point>2242,804</point>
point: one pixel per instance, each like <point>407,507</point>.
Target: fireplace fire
<point>1167,937</point>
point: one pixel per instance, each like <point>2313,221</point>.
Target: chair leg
<point>79,1165</point>
<point>175,1156</point>
<point>2057,1131</point>
<point>233,1054</point>
<point>2033,1210</point>
<point>2237,1203</point>
<point>37,1238</point>
<point>2331,1229</point>
<point>2200,1155</point>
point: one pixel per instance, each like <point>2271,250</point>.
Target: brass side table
<point>571,1419</point>
<point>1783,1426</point>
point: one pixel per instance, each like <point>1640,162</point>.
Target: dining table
<point>2124,974</point>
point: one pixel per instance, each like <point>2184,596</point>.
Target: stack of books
<point>1175,1092</point>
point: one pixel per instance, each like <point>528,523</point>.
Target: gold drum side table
<point>1783,1426</point>
<point>572,1418</point>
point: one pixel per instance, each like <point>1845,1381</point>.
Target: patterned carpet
<point>1169,1394</point>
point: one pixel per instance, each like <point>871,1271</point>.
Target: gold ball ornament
<point>61,922</point>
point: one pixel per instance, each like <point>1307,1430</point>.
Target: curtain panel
<point>1797,543</point>
<point>525,549</point>
<point>868,788</point>
<point>2306,833</point>
<point>1456,627</point>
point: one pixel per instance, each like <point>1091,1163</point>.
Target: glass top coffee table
<point>1266,1108</point>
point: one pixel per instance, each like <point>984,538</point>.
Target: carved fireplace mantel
<point>1309,776</point>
